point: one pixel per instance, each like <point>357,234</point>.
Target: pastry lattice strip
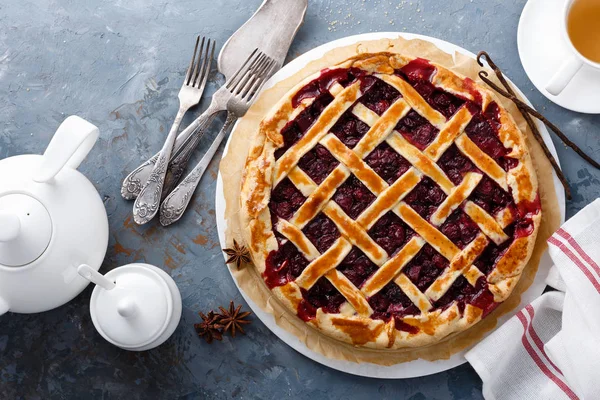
<point>389,197</point>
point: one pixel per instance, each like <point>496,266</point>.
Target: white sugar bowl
<point>136,307</point>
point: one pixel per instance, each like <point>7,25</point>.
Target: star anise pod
<point>237,254</point>
<point>210,328</point>
<point>233,319</point>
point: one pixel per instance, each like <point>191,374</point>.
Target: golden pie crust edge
<point>256,186</point>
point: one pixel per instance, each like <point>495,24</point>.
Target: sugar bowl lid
<point>135,307</point>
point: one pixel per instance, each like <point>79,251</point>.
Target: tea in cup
<point>581,29</point>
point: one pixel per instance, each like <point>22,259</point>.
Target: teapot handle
<point>71,143</point>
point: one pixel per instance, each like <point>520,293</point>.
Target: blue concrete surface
<point>119,64</point>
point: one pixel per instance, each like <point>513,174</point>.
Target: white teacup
<point>573,61</point>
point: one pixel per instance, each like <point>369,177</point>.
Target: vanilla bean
<point>566,140</point>
<point>529,121</point>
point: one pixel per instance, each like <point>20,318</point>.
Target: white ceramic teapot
<point>52,220</point>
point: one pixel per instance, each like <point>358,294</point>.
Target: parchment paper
<point>252,284</point>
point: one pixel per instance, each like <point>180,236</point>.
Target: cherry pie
<point>389,202</point>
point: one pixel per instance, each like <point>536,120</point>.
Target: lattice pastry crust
<point>463,246</point>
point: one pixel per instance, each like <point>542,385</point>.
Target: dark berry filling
<point>445,102</point>
<point>526,210</point>
<point>508,163</point>
<point>490,196</point>
<point>492,252</point>
<point>322,84</point>
<point>349,129</point>
<point>425,197</point>
<point>390,302</point>
<point>357,267</point>
<point>306,311</point>
<point>463,293</point>
<point>455,164</point>
<point>417,130</point>
<point>387,163</point>
<point>470,85</point>
<point>353,197</point>
<point>322,295</point>
<point>379,95</point>
<point>403,326</point>
<point>322,232</point>
<point>418,69</point>
<point>285,199</point>
<point>391,233</point>
<point>459,228</point>
<point>483,131</point>
<point>418,73</point>
<point>294,130</point>
<point>318,163</point>
<point>319,89</point>
<point>283,265</point>
<point>524,227</point>
<point>483,297</point>
<point>425,267</point>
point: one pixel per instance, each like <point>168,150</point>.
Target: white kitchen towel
<point>551,348</point>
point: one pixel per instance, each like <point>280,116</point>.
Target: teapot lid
<point>26,229</point>
<point>136,311</point>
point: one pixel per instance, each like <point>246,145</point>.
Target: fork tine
<point>248,75</point>
<point>202,70</point>
<point>239,74</point>
<point>264,75</point>
<point>254,75</point>
<point>233,82</point>
<point>188,74</point>
<point>195,73</point>
<point>256,61</point>
<point>258,69</point>
<point>205,69</point>
<point>202,56</point>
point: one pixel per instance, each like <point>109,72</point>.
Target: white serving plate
<point>413,368</point>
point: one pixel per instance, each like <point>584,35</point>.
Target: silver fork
<point>148,201</point>
<point>243,88</point>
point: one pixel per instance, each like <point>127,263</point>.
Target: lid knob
<point>127,308</point>
<point>11,226</point>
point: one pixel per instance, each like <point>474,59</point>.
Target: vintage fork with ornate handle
<point>147,203</point>
<point>244,89</point>
<point>185,144</point>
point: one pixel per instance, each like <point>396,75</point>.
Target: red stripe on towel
<point>576,260</point>
<point>536,339</point>
<point>538,361</point>
<point>579,249</point>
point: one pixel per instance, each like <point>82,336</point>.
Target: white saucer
<point>414,368</point>
<point>542,49</point>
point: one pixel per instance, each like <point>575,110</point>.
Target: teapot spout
<point>3,306</point>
